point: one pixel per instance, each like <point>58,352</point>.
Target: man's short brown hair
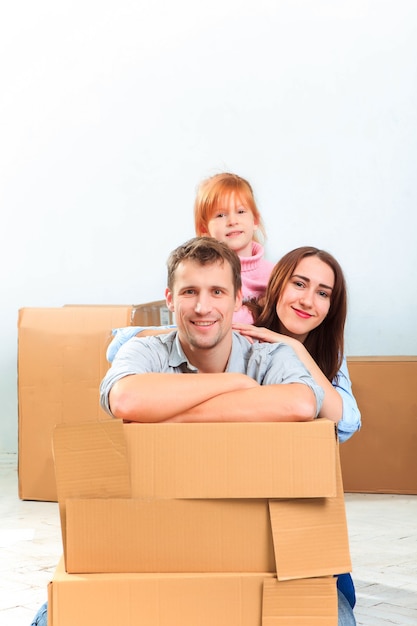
<point>205,251</point>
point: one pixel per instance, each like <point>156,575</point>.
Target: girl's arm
<point>121,335</point>
<point>332,407</point>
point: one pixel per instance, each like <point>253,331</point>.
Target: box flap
<point>90,461</point>
<point>305,602</point>
<point>311,535</point>
<point>233,460</point>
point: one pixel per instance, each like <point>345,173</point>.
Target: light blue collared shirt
<point>267,363</point>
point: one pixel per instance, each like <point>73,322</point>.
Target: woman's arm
<point>351,418</point>
<point>332,407</point>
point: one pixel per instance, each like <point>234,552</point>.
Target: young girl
<point>225,209</point>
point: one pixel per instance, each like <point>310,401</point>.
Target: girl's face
<point>305,300</point>
<point>234,224</point>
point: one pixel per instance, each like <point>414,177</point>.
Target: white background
<point>112,112</point>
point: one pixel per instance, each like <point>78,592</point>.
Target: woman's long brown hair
<point>326,342</point>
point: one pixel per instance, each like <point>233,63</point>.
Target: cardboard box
<point>61,361</point>
<point>154,313</point>
<point>174,524</point>
<point>151,314</point>
<point>236,599</point>
<point>381,457</point>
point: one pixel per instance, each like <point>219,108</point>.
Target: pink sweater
<point>255,275</point>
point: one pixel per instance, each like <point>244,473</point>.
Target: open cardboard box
<point>249,497</point>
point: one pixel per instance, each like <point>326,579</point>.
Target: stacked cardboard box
<point>185,524</point>
<point>61,361</point>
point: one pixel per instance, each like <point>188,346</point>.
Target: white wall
<point>112,112</point>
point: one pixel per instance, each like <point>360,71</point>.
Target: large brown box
<point>61,361</point>
<point>382,456</point>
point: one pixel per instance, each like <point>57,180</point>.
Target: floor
<point>383,541</point>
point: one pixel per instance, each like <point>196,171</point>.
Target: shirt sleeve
<point>285,367</point>
<point>136,356</point>
<point>351,417</point>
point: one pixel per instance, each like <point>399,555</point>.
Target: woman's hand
<point>260,333</point>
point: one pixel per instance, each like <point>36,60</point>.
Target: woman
<point>305,306</point>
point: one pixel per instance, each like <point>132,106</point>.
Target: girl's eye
<point>221,215</point>
<point>242,211</point>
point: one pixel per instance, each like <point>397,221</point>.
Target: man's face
<point>204,301</point>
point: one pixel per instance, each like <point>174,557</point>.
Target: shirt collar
<point>237,359</point>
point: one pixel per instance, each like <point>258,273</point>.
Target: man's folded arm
<point>292,402</point>
<point>158,397</point>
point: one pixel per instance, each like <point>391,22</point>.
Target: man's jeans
<point>41,617</point>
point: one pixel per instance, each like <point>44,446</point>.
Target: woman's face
<point>305,300</point>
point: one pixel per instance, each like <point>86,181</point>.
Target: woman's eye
<point>298,283</point>
<point>323,294</point>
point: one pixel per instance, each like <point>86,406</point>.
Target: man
<point>234,380</point>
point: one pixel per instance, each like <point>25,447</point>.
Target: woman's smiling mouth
<point>302,313</point>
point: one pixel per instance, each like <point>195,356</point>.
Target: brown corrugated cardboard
<point>381,457</point>
<point>306,602</point>
<point>168,536</point>
<point>233,460</point>
<point>213,454</point>
<point>151,314</point>
<point>320,526</point>
<point>61,361</point>
<point>218,460</point>
<point>236,599</point>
